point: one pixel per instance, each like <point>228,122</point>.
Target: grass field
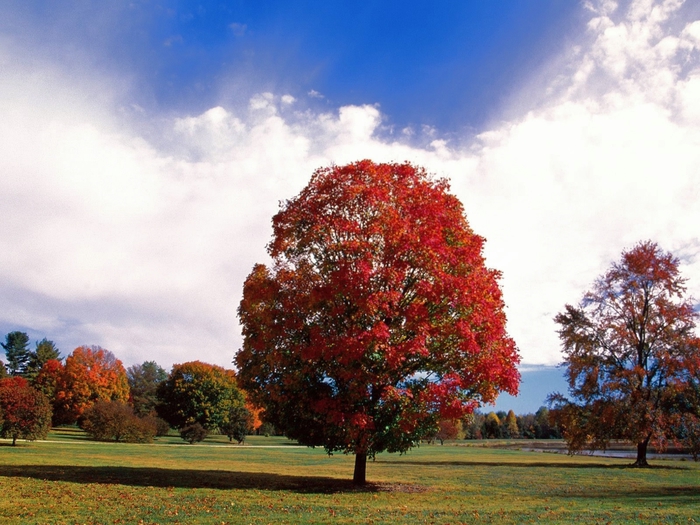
<point>69,480</point>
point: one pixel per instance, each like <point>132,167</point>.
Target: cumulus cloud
<point>117,240</point>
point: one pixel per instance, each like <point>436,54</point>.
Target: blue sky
<point>448,64</point>
<point>145,146</point>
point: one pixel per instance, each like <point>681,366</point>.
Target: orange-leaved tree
<point>255,414</point>
<point>629,349</point>
<point>90,373</point>
<point>378,317</point>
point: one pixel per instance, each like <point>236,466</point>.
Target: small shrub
<point>239,423</point>
<point>193,433</point>
<point>267,430</point>
<point>140,430</point>
<point>162,426</point>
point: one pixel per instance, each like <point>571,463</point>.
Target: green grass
<point>71,480</point>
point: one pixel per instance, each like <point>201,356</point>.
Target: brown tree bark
<point>360,475</point>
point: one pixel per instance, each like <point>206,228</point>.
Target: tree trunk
<point>14,440</point>
<point>642,454</point>
<point>360,475</point>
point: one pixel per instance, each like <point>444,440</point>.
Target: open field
<point>69,479</point>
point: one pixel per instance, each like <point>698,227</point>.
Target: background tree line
<point>499,425</point>
<point>91,388</point>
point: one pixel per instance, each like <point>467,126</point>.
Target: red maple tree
<point>378,317</point>
<point>632,357</point>
<point>26,413</point>
<point>47,379</point>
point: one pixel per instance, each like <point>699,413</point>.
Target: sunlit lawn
<point>73,480</point>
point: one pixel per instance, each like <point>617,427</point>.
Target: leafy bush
<point>193,433</point>
<point>161,425</point>
<point>267,430</point>
<point>116,421</point>
<point>139,430</point>
<point>238,424</point>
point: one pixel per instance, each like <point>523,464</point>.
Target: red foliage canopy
<point>48,378</point>
<point>25,412</point>
<point>379,316</point>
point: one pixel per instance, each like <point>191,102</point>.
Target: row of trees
<point>92,387</point>
<point>498,425</point>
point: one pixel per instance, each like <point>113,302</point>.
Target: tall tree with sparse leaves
<point>378,318</point>
<point>628,350</point>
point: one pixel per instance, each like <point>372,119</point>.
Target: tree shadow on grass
<point>671,495</point>
<point>193,479</point>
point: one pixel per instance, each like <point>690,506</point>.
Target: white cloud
<point>613,160</point>
<point>238,29</point>
<point>143,249</point>
<point>288,100</point>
